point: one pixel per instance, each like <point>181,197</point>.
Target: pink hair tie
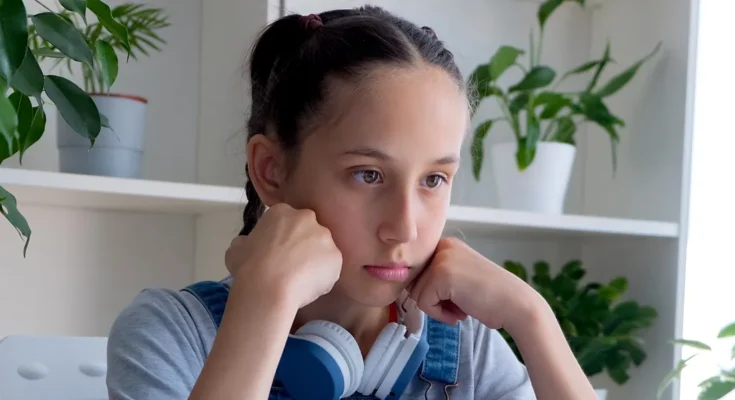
<point>311,21</point>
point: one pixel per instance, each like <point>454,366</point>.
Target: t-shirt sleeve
<point>153,350</point>
<point>499,373</point>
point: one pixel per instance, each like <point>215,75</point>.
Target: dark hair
<point>294,56</point>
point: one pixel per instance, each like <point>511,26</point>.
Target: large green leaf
<point>622,79</point>
<point>546,9</point>
<point>536,78</point>
<point>74,105</point>
<point>716,389</point>
<point>477,150</point>
<point>104,15</point>
<point>107,61</point>
<point>565,130</point>
<point>600,66</point>
<point>552,102</point>
<point>728,331</point>
<point>503,59</point>
<point>76,6</point>
<point>28,79</point>
<point>64,36</point>
<point>527,145</point>
<point>519,102</point>
<point>9,209</point>
<point>34,132</point>
<point>8,121</point>
<point>13,36</point>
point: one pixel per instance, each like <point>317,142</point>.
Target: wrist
<point>264,296</point>
<point>529,315</point>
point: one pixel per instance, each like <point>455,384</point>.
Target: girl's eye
<point>433,181</point>
<point>368,176</point>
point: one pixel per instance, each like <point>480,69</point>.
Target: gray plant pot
<point>117,152</point>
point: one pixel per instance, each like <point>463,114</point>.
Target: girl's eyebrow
<point>379,155</point>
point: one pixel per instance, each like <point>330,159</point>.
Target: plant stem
<point>511,121</point>
<point>44,6</point>
<point>540,45</point>
<point>547,131</point>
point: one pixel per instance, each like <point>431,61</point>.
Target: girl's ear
<point>265,168</point>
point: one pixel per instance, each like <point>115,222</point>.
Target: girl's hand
<point>289,254</point>
<point>459,281</point>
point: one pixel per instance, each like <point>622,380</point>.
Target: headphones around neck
<point>323,361</point>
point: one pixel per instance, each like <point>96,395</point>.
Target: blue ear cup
<point>323,361</point>
<point>320,361</point>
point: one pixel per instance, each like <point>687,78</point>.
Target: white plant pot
<point>542,187</point>
<point>601,394</point>
<point>117,152</point>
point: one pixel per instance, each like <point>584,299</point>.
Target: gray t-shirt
<point>159,343</point>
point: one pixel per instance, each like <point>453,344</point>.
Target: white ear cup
<point>371,361</point>
<point>395,368</point>
<point>345,344</point>
<point>384,356</point>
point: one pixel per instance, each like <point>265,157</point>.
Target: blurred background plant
<point>600,328</point>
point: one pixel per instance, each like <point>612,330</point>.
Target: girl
<point>355,134</point>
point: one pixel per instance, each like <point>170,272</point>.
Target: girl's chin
<point>379,294</point>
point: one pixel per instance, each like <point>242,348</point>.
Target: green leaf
<point>104,122</point>
<point>728,331</point>
<point>519,102</point>
<point>600,66</point>
<point>34,132</point>
<point>672,375</point>
<point>108,62</point>
<point>8,120</point>
<point>477,150</point>
<point>716,389</point>
<point>622,79</point>
<point>104,15</point>
<point>9,209</point>
<point>546,9</point>
<point>74,105</point>
<point>3,86</point>
<point>693,344</point>
<point>76,6</point>
<point>64,36</point>
<point>565,130</point>
<point>46,52</point>
<point>634,349</point>
<point>23,109</point>
<point>552,102</point>
<point>615,288</point>
<point>503,59</point>
<point>573,269</point>
<point>527,145</point>
<point>13,36</point>
<point>28,79</point>
<point>516,269</point>
<point>541,274</point>
<point>536,78</point>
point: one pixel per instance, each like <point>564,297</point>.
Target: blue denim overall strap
<point>441,364</point>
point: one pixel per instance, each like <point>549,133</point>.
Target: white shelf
<point>96,192</point>
<point>490,220</point>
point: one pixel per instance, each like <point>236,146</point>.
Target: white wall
<point>83,267</point>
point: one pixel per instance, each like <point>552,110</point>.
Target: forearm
<point>552,367</point>
<point>248,346</point>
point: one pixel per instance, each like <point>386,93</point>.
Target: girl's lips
<point>389,272</point>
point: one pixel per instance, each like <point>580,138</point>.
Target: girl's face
<point>377,169</point>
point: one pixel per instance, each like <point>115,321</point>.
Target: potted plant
<point>718,385</point>
<point>25,89</point>
<point>599,327</point>
<point>532,172</point>
<point>118,149</point>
